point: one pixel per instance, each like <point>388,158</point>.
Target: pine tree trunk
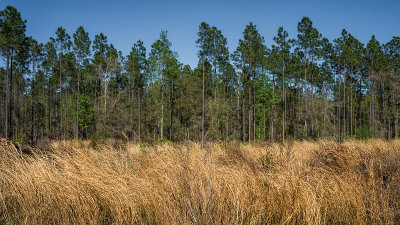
<point>202,112</point>
<point>215,82</point>
<point>382,113</point>
<point>77,102</point>
<point>254,113</point>
<point>105,96</point>
<point>132,97</point>
<point>359,105</point>
<point>243,118</point>
<point>396,128</point>
<point>49,102</point>
<point>162,111</point>
<point>249,108</point>
<point>264,125</point>
<point>351,106</point>
<point>370,102</point>
<point>7,95</point>
<point>273,109</point>
<point>344,104</point>
<point>11,111</point>
<point>283,106</point>
<point>33,104</point>
<point>325,107</point>
<point>312,99</point>
<point>139,109</point>
<point>238,109</point>
<point>305,96</point>
<point>61,105</point>
<point>170,111</point>
<point>338,110</point>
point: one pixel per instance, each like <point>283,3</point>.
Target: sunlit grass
<point>124,183</point>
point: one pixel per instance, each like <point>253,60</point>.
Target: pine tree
<point>82,50</point>
<point>160,54</point>
<point>12,37</point>
<point>135,65</point>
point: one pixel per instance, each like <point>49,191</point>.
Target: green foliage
<point>264,96</point>
<point>365,132</point>
<point>86,112</point>
<point>81,43</point>
<point>98,138</point>
<point>164,141</point>
<point>136,64</point>
<point>20,138</point>
<point>12,29</point>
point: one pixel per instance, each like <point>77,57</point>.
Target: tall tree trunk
<point>396,128</point>
<point>33,104</point>
<point>77,102</point>
<point>228,120</point>
<point>162,110</point>
<point>243,117</point>
<point>344,104</point>
<point>325,107</point>
<point>105,96</point>
<point>283,106</point>
<point>297,112</point>
<point>132,98</point>
<point>61,105</point>
<point>49,102</point>
<point>264,125</point>
<point>11,111</point>
<point>238,109</point>
<point>338,109</point>
<point>373,102</point>
<point>370,101</point>
<point>359,104</point>
<point>254,113</point>
<point>382,105</point>
<point>351,104</point>
<point>7,96</point>
<point>305,95</point>
<point>312,99</point>
<point>139,120</point>
<point>202,112</point>
<point>170,111</point>
<point>249,107</point>
<point>273,109</point>
<point>215,82</point>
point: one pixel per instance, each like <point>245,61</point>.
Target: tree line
<point>303,88</point>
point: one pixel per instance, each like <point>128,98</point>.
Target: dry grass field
<point>320,182</point>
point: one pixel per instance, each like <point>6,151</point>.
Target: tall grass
<point>233,183</point>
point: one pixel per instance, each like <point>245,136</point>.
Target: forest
<point>308,87</point>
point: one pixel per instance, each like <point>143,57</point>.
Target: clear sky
<point>124,22</point>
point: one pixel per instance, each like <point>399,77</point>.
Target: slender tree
<point>12,36</point>
<point>48,63</point>
<point>252,51</point>
<point>284,58</point>
<point>392,49</point>
<point>63,43</point>
<point>160,54</point>
<point>35,54</point>
<point>82,50</point>
<point>136,65</point>
<point>308,41</point>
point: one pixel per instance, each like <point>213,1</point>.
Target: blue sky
<point>124,22</point>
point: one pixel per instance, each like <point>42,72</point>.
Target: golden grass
<point>298,183</point>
